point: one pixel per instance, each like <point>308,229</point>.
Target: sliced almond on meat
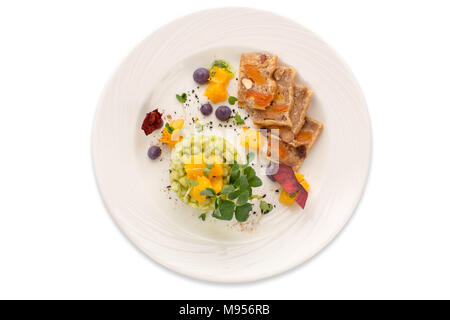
<point>247,83</point>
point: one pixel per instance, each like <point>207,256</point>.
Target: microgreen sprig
<point>238,119</point>
<point>232,100</point>
<point>208,168</point>
<point>192,183</point>
<point>234,198</point>
<point>169,128</point>
<point>182,98</point>
<point>265,207</point>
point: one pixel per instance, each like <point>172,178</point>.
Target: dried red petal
<point>287,179</point>
<point>301,197</point>
<point>152,122</point>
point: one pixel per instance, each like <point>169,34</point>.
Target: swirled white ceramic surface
<point>130,184</point>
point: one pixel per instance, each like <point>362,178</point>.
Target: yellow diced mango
<point>286,199</point>
<point>203,183</point>
<point>217,183</point>
<point>216,92</point>
<point>177,124</point>
<point>217,168</point>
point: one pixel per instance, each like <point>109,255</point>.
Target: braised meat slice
<point>278,113</point>
<point>256,87</point>
<point>293,154</point>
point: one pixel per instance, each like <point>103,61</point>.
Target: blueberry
<point>271,169</point>
<point>223,113</point>
<point>154,152</point>
<point>206,109</point>
<point>201,75</point>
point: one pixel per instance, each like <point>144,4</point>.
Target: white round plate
<point>134,187</point>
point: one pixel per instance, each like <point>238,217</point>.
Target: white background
<point>56,237</point>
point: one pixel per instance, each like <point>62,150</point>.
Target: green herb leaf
<point>243,182</point>
<point>208,192</point>
<point>265,207</point>
<point>182,98</point>
<point>249,189</point>
<point>239,119</point>
<point>243,198</point>
<point>206,171</point>
<point>242,212</point>
<point>226,208</point>
<point>209,165</point>
<point>232,100</point>
<point>255,182</point>
<point>193,182</point>
<point>202,216</point>
<point>169,128</point>
<point>233,195</point>
<point>216,214</point>
<point>235,166</point>
<point>227,189</point>
<point>249,172</point>
<point>235,173</point>
<point>250,157</point>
